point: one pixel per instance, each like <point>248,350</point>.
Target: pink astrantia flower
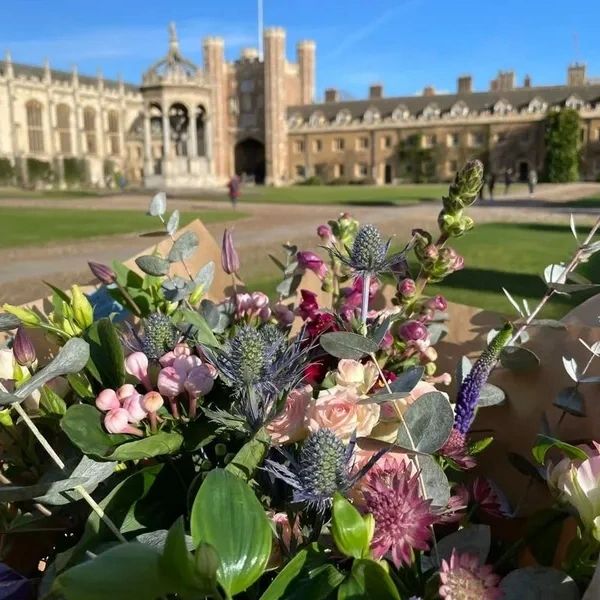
<point>288,426</point>
<point>402,517</point>
<point>464,578</point>
<point>136,364</point>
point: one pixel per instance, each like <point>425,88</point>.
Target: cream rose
<point>351,373</point>
<point>289,426</point>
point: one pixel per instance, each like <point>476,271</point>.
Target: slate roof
<point>476,101</point>
<point>58,75</point>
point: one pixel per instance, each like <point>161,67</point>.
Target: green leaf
<point>480,445</point>
<point>177,561</point>
<point>126,277</point>
<point>571,401</point>
<point>107,361</point>
<point>429,420</point>
<point>227,515</point>
<point>474,539</point>
<point>205,276</point>
<point>306,576</point>
<point>19,493</point>
<point>378,332</point>
<point>203,333</point>
<point>535,583</point>
<point>407,380</point>
<point>544,443</point>
<point>126,572</point>
<point>183,247</point>
<point>351,532</point>
<point>153,265</point>
<point>83,425</point>
<point>517,358</point>
<point>368,580</point>
<point>250,456</point>
<point>160,444</point>
<point>521,464</point>
<point>344,344</point>
<point>51,403</point>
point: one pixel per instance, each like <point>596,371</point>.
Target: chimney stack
<point>465,84</point>
<point>576,75</point>
<point>504,81</point>
<point>428,90</point>
<point>332,95</point>
<point>375,91</point>
<point>527,81</point>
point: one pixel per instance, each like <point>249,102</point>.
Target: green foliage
<point>107,360</point>
<point>351,531</point>
<point>563,144</point>
<point>312,180</point>
<point>7,172</point>
<point>39,171</point>
<point>368,580</point>
<point>418,162</point>
<point>74,171</point>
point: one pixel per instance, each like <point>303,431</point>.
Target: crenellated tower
<point>305,55</point>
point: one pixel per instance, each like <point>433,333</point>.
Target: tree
<point>562,146</point>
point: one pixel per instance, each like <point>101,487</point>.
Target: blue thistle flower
<point>323,466</point>
<point>259,366</point>
<point>470,390</point>
<point>160,335</point>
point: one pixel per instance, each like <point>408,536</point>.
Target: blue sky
<point>405,44</point>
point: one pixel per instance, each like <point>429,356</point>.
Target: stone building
<point>193,126</point>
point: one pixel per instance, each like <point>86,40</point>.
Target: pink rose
<point>288,426</point>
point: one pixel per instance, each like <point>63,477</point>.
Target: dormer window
<point>502,107</point>
<point>459,109</point>
<point>343,117</point>
<point>295,121</point>
<point>537,105</point>
<point>574,101</point>
<point>431,111</point>
<point>317,119</point>
<point>400,113</point>
<point>372,115</point>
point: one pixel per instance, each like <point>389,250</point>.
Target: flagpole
<point>260,29</point>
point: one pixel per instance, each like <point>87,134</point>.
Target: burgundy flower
<point>413,331</point>
<point>407,288</point>
<point>464,578</point>
<point>325,233</point>
<point>315,373</point>
<point>402,517</point>
<point>309,260</point>
<point>489,498</point>
<point>309,307</point>
<point>456,449</point>
<point>321,323</point>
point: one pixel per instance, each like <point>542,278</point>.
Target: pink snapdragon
<point>313,262</point>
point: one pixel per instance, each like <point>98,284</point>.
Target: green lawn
<point>20,193</point>
<point>590,202</point>
<point>39,226</point>
<point>506,255</point>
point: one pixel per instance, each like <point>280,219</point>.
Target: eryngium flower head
<point>464,190</point>
<point>470,390</point>
<point>368,255</point>
<point>259,365</point>
<point>160,335</point>
<point>464,578</point>
<point>402,517</point>
<point>323,466</point>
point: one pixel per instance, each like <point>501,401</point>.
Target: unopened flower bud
<point>467,183</point>
<point>125,391</point>
<point>83,313</point>
<point>117,421</point>
<point>430,368</point>
<point>437,303</point>
<point>430,252</point>
<point>430,354</point>
<point>324,232</point>
<point>26,315</point>
<point>412,331</point>
<point>102,272</point>
<point>152,402</point>
<point>23,349</point>
<point>107,400</point>
<point>133,405</point>
<point>407,288</point>
<point>230,261</point>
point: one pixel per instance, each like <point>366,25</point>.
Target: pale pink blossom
<point>199,382</point>
<point>180,350</point>
<point>133,405</point>
<point>170,382</point>
<point>463,577</point>
<point>136,364</point>
<point>152,402</point>
<point>184,364</point>
<point>289,426</point>
<point>107,400</point>
<point>117,421</point>
<point>125,391</point>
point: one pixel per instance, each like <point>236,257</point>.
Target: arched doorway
<point>250,159</point>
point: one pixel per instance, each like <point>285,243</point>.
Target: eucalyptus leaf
<point>210,311</point>
<point>491,395</point>
<point>173,223</point>
<point>205,276</point>
<point>552,323</point>
<point>20,493</point>
<point>184,246</point>
<point>344,344</point>
<point>538,583</point>
<point>437,331</point>
<point>378,332</point>
<point>153,265</point>
<point>71,358</point>
<point>570,365</point>
<point>202,331</point>
<point>519,359</point>
<point>436,484</point>
<point>473,539</point>
<point>176,289</point>
<point>158,204</point>
<point>571,401</point>
<point>227,515</point>
<point>463,368</point>
<point>555,273</point>
<point>289,285</point>
<point>8,322</point>
<point>407,380</point>
<point>567,288</point>
<point>429,420</point>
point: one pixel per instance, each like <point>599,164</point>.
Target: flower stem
<point>366,287</point>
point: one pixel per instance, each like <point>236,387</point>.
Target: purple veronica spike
<point>470,390</point>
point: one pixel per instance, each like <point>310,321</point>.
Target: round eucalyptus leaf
<point>474,539</point>
<point>491,395</point>
<point>437,331</point>
<point>344,344</point>
<point>519,359</point>
<point>435,481</point>
<point>173,222</point>
<point>176,289</point>
<point>463,368</point>
<point>205,276</point>
<point>153,265</point>
<point>539,583</point>
<point>158,204</point>
<point>8,322</point>
<point>407,380</point>
<point>571,401</point>
<point>429,421</point>
<point>184,246</point>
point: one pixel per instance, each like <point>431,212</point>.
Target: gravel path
<point>264,230</point>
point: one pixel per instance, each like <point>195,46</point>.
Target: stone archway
<point>250,159</point>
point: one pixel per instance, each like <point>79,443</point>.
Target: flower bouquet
<point>303,446</point>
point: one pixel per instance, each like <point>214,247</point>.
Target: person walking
<point>491,184</point>
<point>234,190</point>
<point>507,180</point>
<point>532,180</point>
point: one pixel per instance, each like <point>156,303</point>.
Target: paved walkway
<point>264,230</point>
